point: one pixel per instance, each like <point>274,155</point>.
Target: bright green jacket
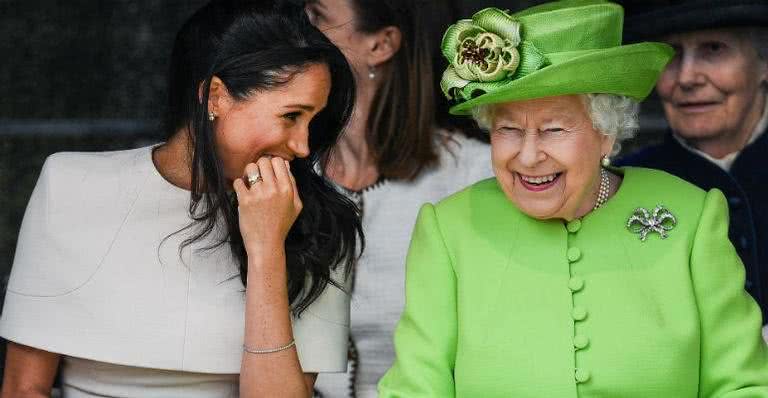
<point>502,305</point>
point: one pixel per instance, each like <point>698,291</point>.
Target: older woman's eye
<point>713,48</point>
<point>554,131</point>
<point>509,131</point>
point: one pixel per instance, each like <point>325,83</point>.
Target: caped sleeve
<point>50,261</point>
<point>71,220</point>
<point>322,330</point>
<point>425,338</point>
<point>734,358</point>
<point>69,224</point>
<point>36,249</point>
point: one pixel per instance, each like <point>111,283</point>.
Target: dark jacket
<point>746,187</point>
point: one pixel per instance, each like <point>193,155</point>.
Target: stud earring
<point>371,72</point>
<point>211,116</point>
<point>605,161</point>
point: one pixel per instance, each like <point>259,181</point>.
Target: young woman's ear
<point>384,44</point>
<point>219,99</point>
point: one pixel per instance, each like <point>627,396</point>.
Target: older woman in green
<point>563,276</point>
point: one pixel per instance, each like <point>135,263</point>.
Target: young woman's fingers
<point>240,187</point>
<point>252,175</point>
<point>281,172</point>
<point>290,173</point>
<point>267,172</point>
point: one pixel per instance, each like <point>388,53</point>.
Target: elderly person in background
<point>714,97</point>
<point>563,276</point>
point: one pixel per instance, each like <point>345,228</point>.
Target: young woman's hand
<point>269,206</point>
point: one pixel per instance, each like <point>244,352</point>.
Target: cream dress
<point>389,214</point>
<point>98,277</point>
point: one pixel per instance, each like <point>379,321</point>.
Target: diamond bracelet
<point>269,350</point>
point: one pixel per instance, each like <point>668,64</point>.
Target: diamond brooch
<point>643,222</point>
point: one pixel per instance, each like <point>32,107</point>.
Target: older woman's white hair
<point>611,114</point>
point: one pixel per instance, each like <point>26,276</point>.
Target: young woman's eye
<point>292,116</point>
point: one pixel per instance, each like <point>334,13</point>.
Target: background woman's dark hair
<point>254,46</point>
<point>409,104</point>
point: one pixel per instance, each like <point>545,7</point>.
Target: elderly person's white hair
<point>611,114</point>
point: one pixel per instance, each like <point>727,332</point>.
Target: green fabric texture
<point>502,305</point>
<point>558,48</point>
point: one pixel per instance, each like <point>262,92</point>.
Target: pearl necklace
<point>605,188</point>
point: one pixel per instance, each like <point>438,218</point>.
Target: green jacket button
<point>580,341</point>
<point>574,254</point>
<point>573,226</point>
<point>582,376</point>
<point>576,283</point>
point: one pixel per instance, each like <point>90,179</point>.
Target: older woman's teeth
<point>539,180</point>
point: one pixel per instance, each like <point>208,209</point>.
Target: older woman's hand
<point>269,206</point>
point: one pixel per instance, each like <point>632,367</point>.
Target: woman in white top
<point>166,271</point>
<point>401,150</point>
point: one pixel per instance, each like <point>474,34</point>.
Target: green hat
<point>558,48</point>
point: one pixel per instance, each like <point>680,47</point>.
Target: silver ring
<point>254,178</point>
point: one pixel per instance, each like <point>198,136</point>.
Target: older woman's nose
<point>689,73</point>
<point>530,152</point>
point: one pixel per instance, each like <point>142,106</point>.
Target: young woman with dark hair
<point>401,149</point>
<point>167,270</point>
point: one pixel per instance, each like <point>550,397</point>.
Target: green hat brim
<point>629,70</point>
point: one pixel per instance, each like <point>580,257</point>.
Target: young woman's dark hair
<point>409,104</point>
<point>254,46</point>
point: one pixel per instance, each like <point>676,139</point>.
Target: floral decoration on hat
<point>559,48</point>
<point>486,49</point>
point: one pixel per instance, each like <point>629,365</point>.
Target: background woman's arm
<point>29,372</point>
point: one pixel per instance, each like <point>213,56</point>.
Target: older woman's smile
<point>539,183</point>
<point>696,106</point>
<point>546,155</point>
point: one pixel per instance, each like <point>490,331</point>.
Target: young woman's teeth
<point>539,180</point>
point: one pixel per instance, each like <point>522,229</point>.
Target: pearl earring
<point>605,161</point>
<point>211,116</point>
<point>371,72</point>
